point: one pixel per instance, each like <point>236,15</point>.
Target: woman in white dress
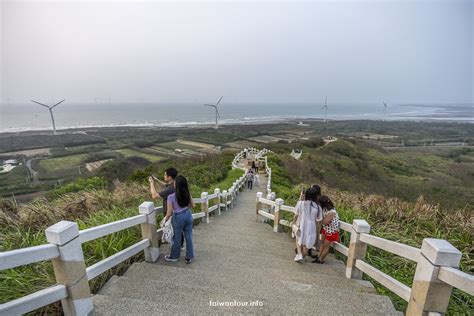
<point>308,212</point>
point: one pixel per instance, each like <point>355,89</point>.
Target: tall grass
<point>397,220</point>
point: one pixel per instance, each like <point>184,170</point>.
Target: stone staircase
<point>239,260</point>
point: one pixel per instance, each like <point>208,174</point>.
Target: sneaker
<point>169,259</point>
<point>188,260</point>
<point>298,258</point>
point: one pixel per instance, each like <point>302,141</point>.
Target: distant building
<point>12,162</point>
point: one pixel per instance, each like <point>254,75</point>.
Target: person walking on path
<point>179,208</point>
<point>166,187</point>
<point>250,176</point>
<point>330,230</point>
<point>308,212</point>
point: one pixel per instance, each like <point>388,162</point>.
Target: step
<point>144,270</point>
<point>287,299</point>
<point>273,250</point>
<point>227,259</point>
<point>115,306</point>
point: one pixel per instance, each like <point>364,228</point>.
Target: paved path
<point>239,260</point>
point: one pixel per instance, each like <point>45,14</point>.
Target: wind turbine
<point>325,107</point>
<point>215,107</point>
<point>385,109</point>
<point>50,108</point>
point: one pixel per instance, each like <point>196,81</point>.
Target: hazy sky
<point>253,51</point>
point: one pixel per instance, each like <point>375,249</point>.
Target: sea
<point>30,116</point>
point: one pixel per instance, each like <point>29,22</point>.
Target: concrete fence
<point>437,261</point>
<point>65,251</point>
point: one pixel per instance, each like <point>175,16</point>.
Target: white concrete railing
<point>65,250</point>
<point>437,262</point>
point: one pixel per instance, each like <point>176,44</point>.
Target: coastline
<point>232,122</point>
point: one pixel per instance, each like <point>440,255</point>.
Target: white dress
<point>308,213</point>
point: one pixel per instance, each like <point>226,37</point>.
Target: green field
<point>176,145</point>
<point>62,163</point>
<point>127,152</point>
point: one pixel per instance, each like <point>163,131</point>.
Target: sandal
<point>317,261</point>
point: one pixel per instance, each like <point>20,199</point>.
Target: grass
<point>175,145</point>
<point>62,163</point>
<point>127,152</point>
<point>393,219</point>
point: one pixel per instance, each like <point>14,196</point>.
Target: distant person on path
<point>308,212</point>
<point>330,230</point>
<point>250,177</point>
<point>257,165</point>
<point>166,187</point>
<point>256,180</point>
<point>254,166</point>
<point>179,207</point>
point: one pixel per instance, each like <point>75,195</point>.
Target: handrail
<point>20,257</point>
<point>399,249</point>
<point>457,278</point>
<point>34,301</point>
<point>110,228</point>
<point>109,262</point>
<point>390,283</point>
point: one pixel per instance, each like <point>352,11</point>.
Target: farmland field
<point>179,145</point>
<point>62,163</point>
<point>126,152</point>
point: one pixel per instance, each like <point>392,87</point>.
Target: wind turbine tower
<point>215,106</point>
<point>325,107</point>
<point>385,105</point>
<point>50,108</point>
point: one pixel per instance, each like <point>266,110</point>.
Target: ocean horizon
<point>30,117</point>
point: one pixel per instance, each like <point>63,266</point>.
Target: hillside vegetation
<point>444,178</point>
<point>391,218</point>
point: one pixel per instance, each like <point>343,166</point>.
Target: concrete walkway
<point>239,261</point>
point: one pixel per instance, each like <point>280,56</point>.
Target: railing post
<point>276,221</point>
<point>428,294</point>
<point>149,231</point>
<point>205,206</point>
<point>224,199</point>
<point>70,268</point>
<point>357,248</point>
<point>218,192</point>
<point>258,203</point>
<point>269,197</point>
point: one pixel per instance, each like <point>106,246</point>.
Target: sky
<point>249,51</point>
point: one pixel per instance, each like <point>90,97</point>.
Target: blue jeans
<point>182,222</point>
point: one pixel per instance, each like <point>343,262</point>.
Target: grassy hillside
<point>390,218</point>
<point>446,178</point>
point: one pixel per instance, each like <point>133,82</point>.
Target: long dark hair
<point>182,191</point>
<point>312,194</point>
<point>326,202</point>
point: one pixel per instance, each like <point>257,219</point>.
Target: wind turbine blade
<point>40,103</point>
<point>212,105</point>
<point>326,101</point>
<point>58,103</point>
<point>218,114</point>
<point>219,101</point>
